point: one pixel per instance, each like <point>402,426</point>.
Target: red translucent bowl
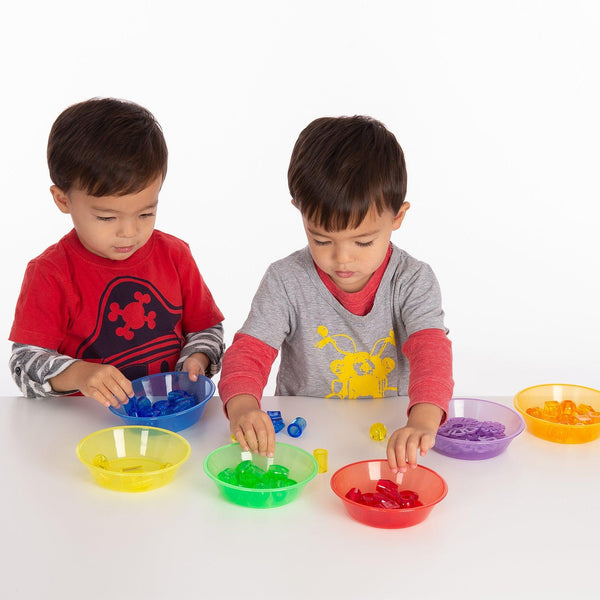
<point>364,475</point>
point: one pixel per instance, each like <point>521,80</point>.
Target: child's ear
<point>60,199</point>
<point>400,216</point>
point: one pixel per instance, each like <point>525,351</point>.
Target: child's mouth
<point>124,249</point>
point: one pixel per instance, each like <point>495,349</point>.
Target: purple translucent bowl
<point>482,410</point>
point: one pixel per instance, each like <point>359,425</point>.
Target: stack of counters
<point>276,419</point>
<point>386,495</point>
<point>465,428</point>
<point>247,474</point>
<point>296,427</point>
<point>565,412</point>
<point>378,432</point>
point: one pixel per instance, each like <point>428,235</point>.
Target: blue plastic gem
<point>278,425</point>
<point>144,407</point>
<point>296,427</point>
<point>160,408</point>
<point>131,407</point>
<point>184,405</point>
<point>175,396</point>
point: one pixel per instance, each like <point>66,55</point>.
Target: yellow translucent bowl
<point>557,432</point>
<point>133,458</point>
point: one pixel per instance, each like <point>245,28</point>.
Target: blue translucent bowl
<point>157,387</point>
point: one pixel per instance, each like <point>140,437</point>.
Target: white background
<point>495,104</point>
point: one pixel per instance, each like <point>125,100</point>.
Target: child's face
<point>113,227</point>
<point>351,256</point>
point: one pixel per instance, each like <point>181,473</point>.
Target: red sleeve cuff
<point>245,368</point>
<point>429,353</point>
<point>239,384</point>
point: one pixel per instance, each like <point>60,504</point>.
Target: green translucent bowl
<point>302,465</point>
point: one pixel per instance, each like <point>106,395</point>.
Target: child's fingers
<point>249,436</point>
<point>271,442</point>
<point>262,437</point>
<point>193,369</point>
<point>102,399</point>
<point>268,442</point>
<point>427,443</point>
<point>114,394</point>
<point>125,385</point>
<point>254,432</point>
<point>391,457</point>
<point>265,434</point>
<point>103,394</point>
<point>396,453</point>
<point>239,436</point>
<point>115,386</point>
<point>412,448</point>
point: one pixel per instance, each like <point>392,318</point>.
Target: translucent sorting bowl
<point>157,387</point>
<point>482,410</point>
<point>557,432</point>
<point>133,458</point>
<point>364,475</point>
<point>302,465</point>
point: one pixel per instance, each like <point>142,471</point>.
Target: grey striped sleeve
<point>209,342</point>
<point>32,367</point>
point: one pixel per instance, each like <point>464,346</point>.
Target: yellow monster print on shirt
<point>358,374</point>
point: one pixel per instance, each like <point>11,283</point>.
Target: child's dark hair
<point>341,166</point>
<point>106,147</point>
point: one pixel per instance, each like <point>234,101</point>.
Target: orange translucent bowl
<point>364,475</point>
<point>557,432</point>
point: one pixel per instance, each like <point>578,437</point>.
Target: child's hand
<point>252,427</point>
<point>195,364</point>
<point>417,437</point>
<point>104,383</point>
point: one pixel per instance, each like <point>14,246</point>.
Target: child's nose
<point>342,254</point>
<point>127,228</point>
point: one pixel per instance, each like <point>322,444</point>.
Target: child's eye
<point>320,243</point>
<point>105,218</point>
<point>147,215</point>
<point>364,244</point>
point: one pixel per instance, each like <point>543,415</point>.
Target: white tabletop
<point>521,525</point>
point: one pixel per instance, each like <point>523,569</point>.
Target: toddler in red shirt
<point>114,299</point>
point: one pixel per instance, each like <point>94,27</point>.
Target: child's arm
<point>430,388</point>
<point>202,352</point>
<point>42,372</point>
<point>246,367</point>
<point>32,367</point>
